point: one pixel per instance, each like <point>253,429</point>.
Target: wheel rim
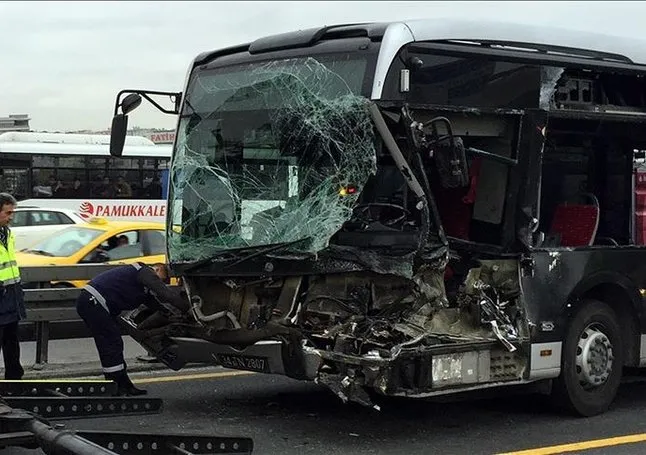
<point>594,357</point>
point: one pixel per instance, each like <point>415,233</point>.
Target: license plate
<point>242,362</point>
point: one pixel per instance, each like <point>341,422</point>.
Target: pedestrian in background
<point>12,307</point>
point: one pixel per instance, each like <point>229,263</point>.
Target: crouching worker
<point>103,299</point>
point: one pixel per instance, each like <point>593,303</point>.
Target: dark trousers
<point>106,334</point>
<point>10,346</point>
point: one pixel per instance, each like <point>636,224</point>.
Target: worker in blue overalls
<point>106,296</point>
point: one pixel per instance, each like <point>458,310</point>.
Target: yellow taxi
<point>98,241</point>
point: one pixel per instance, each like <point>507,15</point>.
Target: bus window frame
<point>85,173</point>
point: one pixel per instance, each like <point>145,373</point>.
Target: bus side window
<point>125,176</point>
<point>94,175</point>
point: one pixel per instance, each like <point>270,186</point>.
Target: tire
<point>574,391</point>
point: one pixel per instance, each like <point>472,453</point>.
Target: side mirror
<point>118,134</point>
<point>120,123</point>
<point>130,103</point>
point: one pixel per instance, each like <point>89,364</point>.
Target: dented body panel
<point>562,277</point>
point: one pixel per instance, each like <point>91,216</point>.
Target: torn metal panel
<point>356,330</point>
<point>391,263</point>
<point>275,154</point>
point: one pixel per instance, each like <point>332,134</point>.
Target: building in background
<point>158,136</point>
<point>20,122</point>
<point>15,122</point>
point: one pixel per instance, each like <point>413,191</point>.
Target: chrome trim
<point>397,35</point>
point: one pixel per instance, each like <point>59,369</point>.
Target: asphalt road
<point>290,417</point>
<point>72,351</point>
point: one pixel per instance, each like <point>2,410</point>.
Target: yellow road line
<point>184,377</point>
<point>189,377</point>
<point>21,381</point>
<point>583,445</point>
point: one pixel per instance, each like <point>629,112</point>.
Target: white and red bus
<point>75,171</point>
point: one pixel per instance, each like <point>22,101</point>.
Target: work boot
<point>125,387</point>
<point>129,391</point>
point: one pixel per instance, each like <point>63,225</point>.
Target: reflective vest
<point>9,273</point>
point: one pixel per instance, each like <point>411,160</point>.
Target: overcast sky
<point>63,62</point>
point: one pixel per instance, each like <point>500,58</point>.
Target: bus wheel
<point>591,363</point>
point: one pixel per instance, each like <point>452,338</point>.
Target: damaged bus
<point>409,209</point>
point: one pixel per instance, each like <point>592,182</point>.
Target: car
<point>97,241</point>
<point>32,224</point>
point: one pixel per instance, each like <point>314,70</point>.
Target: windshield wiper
<point>255,252</point>
<point>41,252</point>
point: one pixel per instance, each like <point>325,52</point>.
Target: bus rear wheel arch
<point>592,361</point>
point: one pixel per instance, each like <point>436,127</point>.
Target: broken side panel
<point>415,339</point>
<point>598,91</point>
<point>472,82</point>
<point>550,77</point>
<point>476,211</point>
<point>369,323</point>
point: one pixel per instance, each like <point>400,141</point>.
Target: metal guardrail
<point>46,305</point>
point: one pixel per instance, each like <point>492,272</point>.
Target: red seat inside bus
<point>576,224</point>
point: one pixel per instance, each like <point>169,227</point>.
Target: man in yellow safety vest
<point>12,308</point>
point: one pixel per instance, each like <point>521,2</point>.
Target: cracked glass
<point>269,153</point>
<point>550,76</point>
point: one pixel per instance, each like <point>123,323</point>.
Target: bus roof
<point>393,35</point>
<point>69,138</point>
<point>39,148</point>
<point>535,37</point>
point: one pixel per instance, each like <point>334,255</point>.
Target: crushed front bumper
<point>266,356</point>
<point>417,372</point>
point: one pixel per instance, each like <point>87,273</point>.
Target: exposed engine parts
<point>365,329</point>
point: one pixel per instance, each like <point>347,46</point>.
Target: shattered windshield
<point>269,153</point>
